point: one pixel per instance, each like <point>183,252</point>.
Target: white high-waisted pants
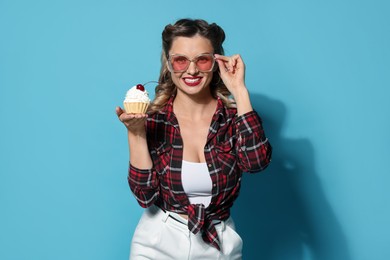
<point>165,236</point>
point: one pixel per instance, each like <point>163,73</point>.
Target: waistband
<point>176,217</point>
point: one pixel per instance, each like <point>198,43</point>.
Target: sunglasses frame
<point>170,67</point>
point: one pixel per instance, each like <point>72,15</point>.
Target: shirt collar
<point>221,111</point>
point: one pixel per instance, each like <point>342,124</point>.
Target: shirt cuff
<point>142,177</point>
<point>248,123</point>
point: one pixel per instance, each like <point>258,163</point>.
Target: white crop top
<point>196,182</point>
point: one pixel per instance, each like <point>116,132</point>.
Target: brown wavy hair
<point>189,28</point>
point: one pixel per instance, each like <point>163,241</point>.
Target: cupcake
<point>136,100</point>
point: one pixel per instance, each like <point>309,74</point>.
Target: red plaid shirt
<point>235,144</point>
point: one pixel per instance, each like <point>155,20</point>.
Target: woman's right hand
<point>135,123</point>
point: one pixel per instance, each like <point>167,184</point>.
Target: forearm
<point>253,148</point>
<point>142,178</point>
<point>242,101</point>
<point>144,184</point>
<point>139,152</point>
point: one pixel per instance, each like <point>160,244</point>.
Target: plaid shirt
<point>235,144</point>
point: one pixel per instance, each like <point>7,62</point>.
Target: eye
<point>180,59</point>
<point>204,59</point>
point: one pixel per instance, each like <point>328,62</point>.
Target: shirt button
<point>238,123</point>
<point>215,185</point>
<point>210,165</point>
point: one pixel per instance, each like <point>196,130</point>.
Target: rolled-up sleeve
<point>253,148</point>
<point>144,185</point>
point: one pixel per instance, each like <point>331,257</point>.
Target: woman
<point>186,161</point>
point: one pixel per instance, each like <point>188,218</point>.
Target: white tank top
<point>196,182</point>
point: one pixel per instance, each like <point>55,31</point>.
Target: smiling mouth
<point>192,81</point>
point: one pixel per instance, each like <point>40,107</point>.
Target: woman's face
<point>192,81</point>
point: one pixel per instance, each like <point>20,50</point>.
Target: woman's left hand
<point>232,71</point>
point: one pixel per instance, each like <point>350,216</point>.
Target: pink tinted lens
<point>204,62</point>
<point>179,63</point>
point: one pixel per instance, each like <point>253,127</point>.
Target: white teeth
<point>192,80</point>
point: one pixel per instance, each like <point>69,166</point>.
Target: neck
<point>194,107</point>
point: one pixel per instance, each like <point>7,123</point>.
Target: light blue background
<point>318,72</point>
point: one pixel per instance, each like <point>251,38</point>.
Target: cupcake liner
<point>135,107</point>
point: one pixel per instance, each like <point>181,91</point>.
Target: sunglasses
<point>179,63</point>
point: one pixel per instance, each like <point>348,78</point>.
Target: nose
<point>192,69</point>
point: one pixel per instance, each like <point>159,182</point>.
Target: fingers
<point>229,64</point>
<point>223,62</point>
<point>221,57</point>
<point>222,69</point>
<point>118,111</point>
<point>132,117</point>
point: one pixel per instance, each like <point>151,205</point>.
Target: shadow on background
<point>282,213</point>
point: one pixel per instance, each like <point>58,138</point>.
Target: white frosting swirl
<point>136,95</point>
